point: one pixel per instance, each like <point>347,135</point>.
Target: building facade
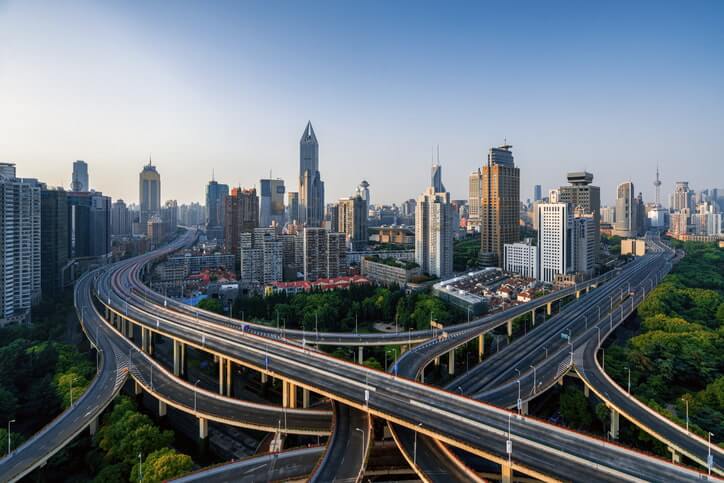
<point>522,258</point>
<point>323,253</point>
<point>434,233</point>
<point>556,246</point>
<point>89,225</point>
<point>53,239</point>
<point>475,194</point>
<point>311,187</point>
<point>626,212</point>
<point>352,221</point>
<point>271,209</point>
<point>80,176</point>
<point>120,219</point>
<point>216,194</point>
<point>149,192</point>
<point>242,216</point>
<point>585,200</point>
<point>499,206</point>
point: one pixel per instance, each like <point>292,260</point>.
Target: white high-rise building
<point>556,247</point>
<point>434,233</point>
<point>626,211</point>
<point>522,258</point>
<point>681,197</point>
<point>20,286</point>
<point>475,194</point>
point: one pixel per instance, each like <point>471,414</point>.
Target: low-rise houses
<point>323,284</point>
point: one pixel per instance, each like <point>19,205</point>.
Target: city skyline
<point>398,97</point>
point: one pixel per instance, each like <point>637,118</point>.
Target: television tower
<point>657,183</point>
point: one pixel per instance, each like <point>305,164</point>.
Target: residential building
<point>157,231</point>
<point>352,221</point>
<point>682,196</point>
<point>556,246</point>
<point>585,234</point>
<point>395,234</point>
<point>261,257</point>
<point>522,258</point>
<point>293,206</point>
<point>149,192</point>
<point>120,219</point>
<point>80,176</point>
<point>53,239</point>
<point>434,233</point>
<point>311,187</point>
<point>499,206</point>
<point>323,253</point>
<point>475,194</point>
<point>389,270</point>
<point>242,216</point>
<point>89,224</point>
<point>20,245</point>
<point>585,200</point>
<point>169,215</point>
<point>608,215</point>
<point>193,214</point>
<point>626,211</point>
<point>216,194</point>
<point>271,209</point>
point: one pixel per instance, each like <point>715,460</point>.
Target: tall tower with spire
<point>311,186</point>
<point>149,192</point>
<point>657,183</point>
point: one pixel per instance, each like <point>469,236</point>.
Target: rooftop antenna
<point>213,175</point>
<point>438,154</point>
<point>149,159</point>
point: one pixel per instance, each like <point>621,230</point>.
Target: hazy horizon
<point>229,87</point>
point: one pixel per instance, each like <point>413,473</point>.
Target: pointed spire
<point>308,135</point>
<point>213,175</point>
<point>149,159</point>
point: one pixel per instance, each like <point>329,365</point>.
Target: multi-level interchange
<point>122,318</point>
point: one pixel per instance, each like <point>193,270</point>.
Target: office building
<point>293,206</point>
<point>681,197</point>
<point>436,177</point>
<point>626,211</point>
<point>608,215</point>
<point>679,223</point>
<point>556,245</point>
<point>475,193</point>
<point>323,253</point>
<point>89,219</point>
<point>352,221</point>
<point>169,215</point>
<point>156,231</point>
<point>537,193</point>
<point>216,194</point>
<point>20,247</point>
<point>53,239</point>
<point>149,192</point>
<point>311,187</point>
<point>585,199</point>
<point>120,219</point>
<point>499,206</point>
<point>522,258</point>
<point>271,209</point>
<point>80,176</point>
<point>434,233</point>
<point>584,233</point>
<point>242,216</point>
<point>364,191</point>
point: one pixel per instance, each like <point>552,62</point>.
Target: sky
<point>227,88</point>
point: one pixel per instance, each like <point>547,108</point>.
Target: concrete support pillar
<point>436,361</point>
<point>403,349</point>
<point>422,376</point>
<point>107,313</point>
<point>360,356</point>
<point>292,395</point>
<point>578,294</point>
<point>481,347</point>
<point>305,398</point>
<point>532,317</point>
<point>221,375</point>
<point>264,378</point>
<point>182,348</point>
<point>510,328</point>
<point>549,308</point>
<point>285,394</point>
<point>506,473</point>
<point>93,426</point>
<point>176,358</point>
<point>451,362</point>
<point>129,328</point>
<point>614,424</point>
<point>137,389</point>
<point>161,408</point>
<point>524,408</point>
<point>144,339</point>
<point>675,455</point>
<point>228,377</point>
<point>203,428</point>
<point>586,391</point>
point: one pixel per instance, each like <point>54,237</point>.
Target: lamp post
<point>686,401</point>
<point>534,378</point>
<point>140,467</point>
<point>519,402</point>
<point>363,443</point>
<point>414,448</point>
<point>629,379</point>
<point>10,421</point>
<point>509,443</point>
<point>709,460</point>
<point>195,392</point>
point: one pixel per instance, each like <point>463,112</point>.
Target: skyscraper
<point>242,216</point>
<point>20,251</point>
<point>293,206</point>
<point>216,194</point>
<point>556,241</point>
<point>436,177</point>
<point>89,230</point>
<point>434,233</point>
<point>681,197</point>
<point>272,202</point>
<point>80,176</point>
<point>120,219</point>
<point>537,193</point>
<point>364,190</point>
<point>149,192</point>
<point>53,239</point>
<point>169,215</point>
<point>475,193</point>
<point>352,220</point>
<point>626,216</point>
<point>311,187</point>
<point>499,206</point>
<point>585,199</point>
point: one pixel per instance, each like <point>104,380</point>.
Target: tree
<point>8,404</point>
<point>16,439</point>
<point>163,464</point>
<point>574,409</point>
<point>212,305</point>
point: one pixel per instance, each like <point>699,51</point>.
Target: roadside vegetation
<point>465,253</point>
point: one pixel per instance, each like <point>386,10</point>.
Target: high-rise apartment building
<point>626,211</point>
<point>272,202</point>
<point>352,221</point>
<point>585,200</point>
<point>499,206</point>
<point>149,192</point>
<point>537,193</point>
<point>80,176</point>
<point>169,215</point>
<point>193,214</point>
<point>584,233</point>
<point>261,257</point>
<point>475,194</point>
<point>292,206</point>
<point>53,239</point>
<point>120,219</point>
<point>681,197</point>
<point>434,233</point>
<point>311,187</point>
<point>216,194</point>
<point>89,225</point>
<point>323,253</point>
<point>20,247</point>
<point>436,177</point>
<point>556,242</point>
<point>242,216</point>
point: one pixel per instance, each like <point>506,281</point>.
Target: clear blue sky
<point>610,87</point>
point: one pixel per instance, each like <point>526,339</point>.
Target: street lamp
<point>686,401</point>
<point>509,442</point>
<point>519,402</point>
<point>140,467</point>
<point>414,448</point>
<point>709,460</point>
<point>195,392</point>
<point>10,421</point>
<point>363,443</point>
<point>534,378</point>
<point>629,378</point>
